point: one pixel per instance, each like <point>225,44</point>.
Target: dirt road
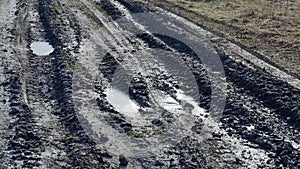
<point>132,86</point>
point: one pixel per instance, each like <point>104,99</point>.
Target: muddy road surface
<point>123,84</point>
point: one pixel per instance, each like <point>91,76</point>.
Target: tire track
<point>81,149</point>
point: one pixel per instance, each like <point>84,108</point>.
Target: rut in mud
<point>113,93</point>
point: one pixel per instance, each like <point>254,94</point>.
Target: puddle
<point>122,103</point>
<point>251,127</point>
<point>169,103</point>
<point>41,48</point>
<point>186,104</point>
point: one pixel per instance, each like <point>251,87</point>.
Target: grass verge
<point>268,27</point>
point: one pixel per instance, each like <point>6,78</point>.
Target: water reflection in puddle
<point>41,48</point>
<point>122,103</point>
<point>183,104</point>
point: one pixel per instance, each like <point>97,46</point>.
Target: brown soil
<point>265,27</point>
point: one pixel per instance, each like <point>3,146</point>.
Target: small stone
<point>157,122</point>
<point>123,160</point>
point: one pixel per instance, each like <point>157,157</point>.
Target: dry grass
<point>269,26</point>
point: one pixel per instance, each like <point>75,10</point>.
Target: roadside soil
<point>269,29</point>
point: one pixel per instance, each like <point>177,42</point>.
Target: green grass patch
<point>135,134</point>
<point>98,6</point>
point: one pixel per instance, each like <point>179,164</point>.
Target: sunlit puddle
<point>186,104</point>
<point>122,103</point>
<point>41,48</point>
